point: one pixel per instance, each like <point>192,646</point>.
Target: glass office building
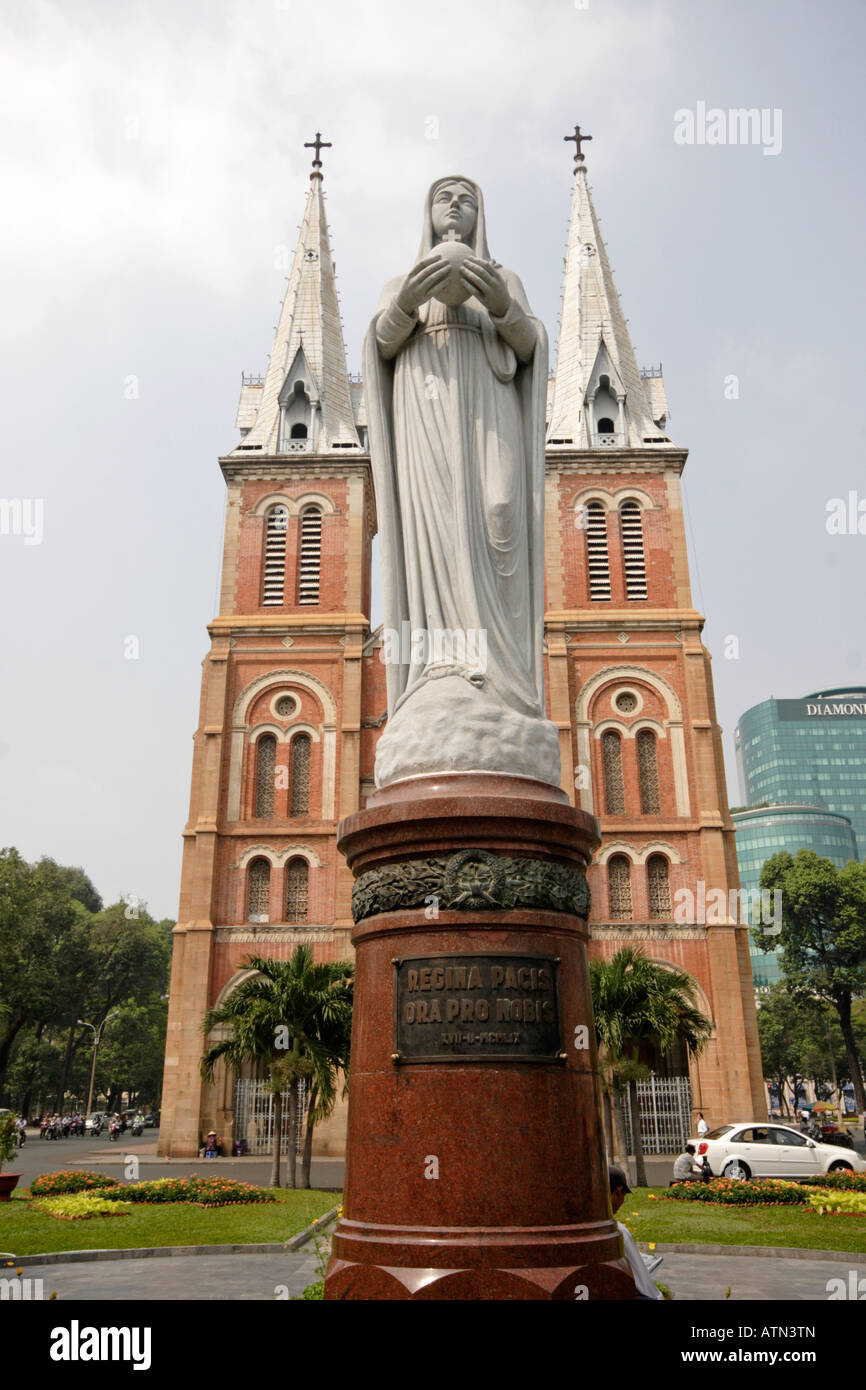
<point>807,752</point>
<point>769,830</point>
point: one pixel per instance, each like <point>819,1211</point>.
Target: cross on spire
<point>317,145</point>
<point>578,141</point>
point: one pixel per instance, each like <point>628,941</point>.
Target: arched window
<point>619,887</point>
<point>632,550</point>
<point>596,551</point>
<point>297,875</point>
<point>266,763</point>
<point>259,891</point>
<point>311,555</point>
<point>611,757</point>
<point>659,884</point>
<point>274,582</point>
<point>605,426</point>
<point>648,772</point>
<point>300,795</point>
<point>298,432</point>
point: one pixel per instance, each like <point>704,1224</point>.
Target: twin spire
<point>598,396</point>
<point>304,402</point>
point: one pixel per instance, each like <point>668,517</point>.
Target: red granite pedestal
<point>475,1162</point>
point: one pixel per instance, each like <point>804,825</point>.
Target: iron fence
<point>665,1114</point>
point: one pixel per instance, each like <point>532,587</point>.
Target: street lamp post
<point>97,1039</point>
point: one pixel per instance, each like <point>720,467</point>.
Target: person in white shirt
<point>619,1188</point>
<point>703,1127</point>
<point>686,1166</point>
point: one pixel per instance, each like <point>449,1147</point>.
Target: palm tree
<point>637,1000</point>
<point>294,1017</point>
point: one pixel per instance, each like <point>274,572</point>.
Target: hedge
<point>730,1192</point>
<point>203,1192</point>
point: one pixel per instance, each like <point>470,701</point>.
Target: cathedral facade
<point>293,691</point>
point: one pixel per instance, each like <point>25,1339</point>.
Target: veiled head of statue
<point>454,204</point>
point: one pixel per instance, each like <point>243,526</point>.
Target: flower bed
<point>70,1180</point>
<point>203,1192</point>
<point>730,1192</point>
<point>80,1206</point>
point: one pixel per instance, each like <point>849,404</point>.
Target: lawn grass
<point>27,1232</point>
<point>700,1223</point>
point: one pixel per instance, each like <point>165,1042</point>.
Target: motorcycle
<point>137,1129</point>
<point>114,1131</point>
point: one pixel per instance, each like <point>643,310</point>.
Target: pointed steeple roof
<point>308,352</point>
<point>594,342</point>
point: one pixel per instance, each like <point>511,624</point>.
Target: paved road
<point>105,1156</point>
<point>45,1155</point>
<point>692,1278</point>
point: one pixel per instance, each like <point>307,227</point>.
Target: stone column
<point>475,1163</point>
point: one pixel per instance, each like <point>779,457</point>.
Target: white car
<point>753,1150</point>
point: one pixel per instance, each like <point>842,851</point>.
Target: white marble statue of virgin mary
<point>456,396</point>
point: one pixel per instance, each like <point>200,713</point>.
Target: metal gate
<point>665,1114</point>
<point>254,1116</point>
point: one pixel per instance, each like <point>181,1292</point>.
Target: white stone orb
<point>453,291</point>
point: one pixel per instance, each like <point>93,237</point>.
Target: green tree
<point>292,1017</point>
<point>790,1032</point>
<point>635,1000</point>
<point>38,917</point>
<point>822,943</point>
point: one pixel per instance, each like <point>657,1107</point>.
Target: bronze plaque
<point>483,1008</point>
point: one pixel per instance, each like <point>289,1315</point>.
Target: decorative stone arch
<point>606,724</point>
<point>700,996</point>
<point>592,494</point>
<point>294,505</point>
<point>316,499</point>
<point>231,985</point>
<point>617,847</point>
<point>255,734</point>
<point>285,676</point>
<point>258,852</point>
<point>658,729</point>
<point>295,729</point>
<point>300,852</point>
<point>659,847</point>
<point>614,675</point>
<point>240,733</point>
<point>633,494</point>
<point>274,499</point>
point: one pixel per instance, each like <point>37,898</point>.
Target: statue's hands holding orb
<point>422,282</point>
<point>487,284</point>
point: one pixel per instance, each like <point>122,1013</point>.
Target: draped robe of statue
<point>456,427</point>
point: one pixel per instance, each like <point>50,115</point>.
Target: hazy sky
<point>153,167</point>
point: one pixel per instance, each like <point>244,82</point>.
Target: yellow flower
<point>652,1245</point>
<point>19,1272</point>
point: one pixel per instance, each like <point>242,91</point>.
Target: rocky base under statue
<point>475,1164</point>
<point>454,725</point>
